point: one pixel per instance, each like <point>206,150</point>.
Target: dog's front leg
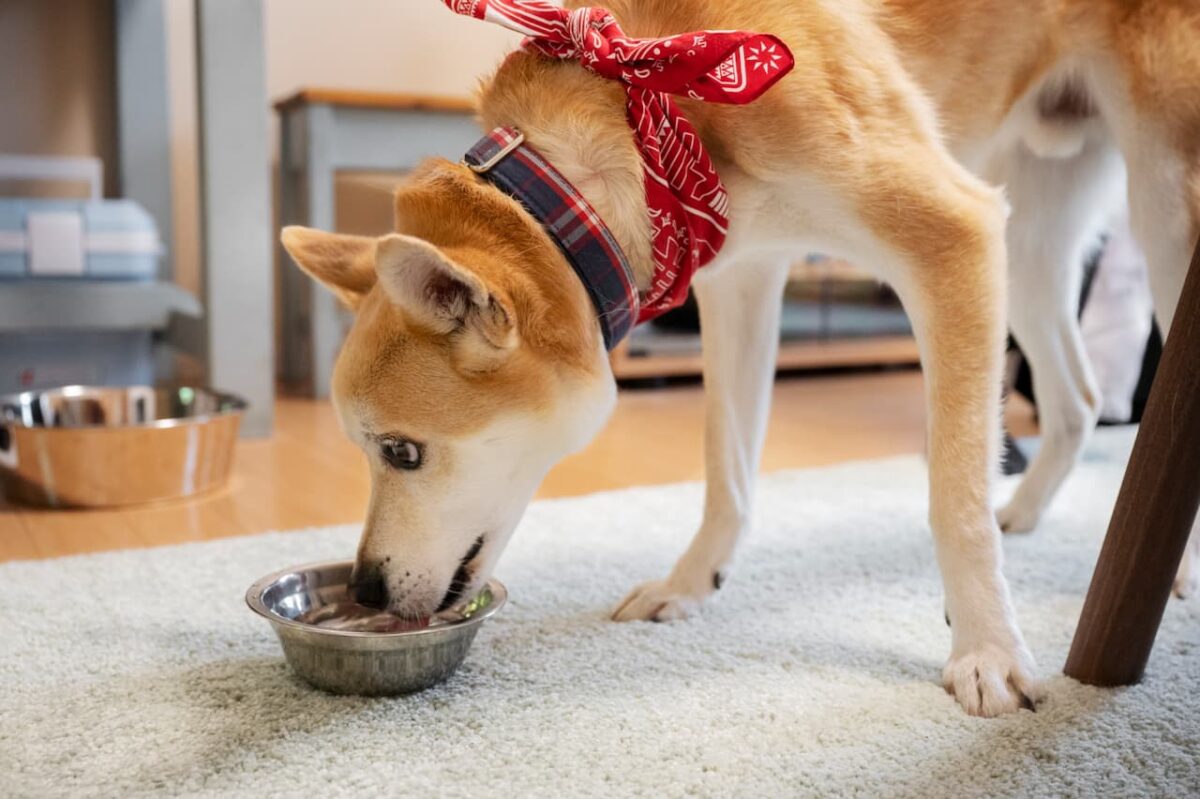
<point>944,233</point>
<point>739,311</point>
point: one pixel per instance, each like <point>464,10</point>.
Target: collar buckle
<point>500,155</point>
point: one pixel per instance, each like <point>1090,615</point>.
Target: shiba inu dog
<point>476,360</point>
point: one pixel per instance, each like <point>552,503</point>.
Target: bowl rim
<point>256,590</point>
<point>237,406</point>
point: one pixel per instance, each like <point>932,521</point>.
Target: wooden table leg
<point>1153,516</point>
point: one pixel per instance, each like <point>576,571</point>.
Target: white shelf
<point>52,305</point>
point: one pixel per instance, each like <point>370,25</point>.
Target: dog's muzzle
<point>367,586</point>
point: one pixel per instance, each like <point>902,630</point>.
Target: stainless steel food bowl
<point>366,663</point>
<point>88,447</point>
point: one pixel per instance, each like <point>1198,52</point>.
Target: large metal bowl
<point>89,447</point>
<point>364,663</point>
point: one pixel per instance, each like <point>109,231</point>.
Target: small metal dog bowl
<point>89,447</point>
<point>365,663</point>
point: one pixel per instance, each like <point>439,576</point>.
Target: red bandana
<point>687,202</point>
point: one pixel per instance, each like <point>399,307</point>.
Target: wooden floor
<point>308,475</point>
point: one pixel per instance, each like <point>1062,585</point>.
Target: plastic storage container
<point>80,299</point>
<point>89,238</point>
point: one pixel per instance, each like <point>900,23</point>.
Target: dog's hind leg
<point>739,312</point>
<point>1059,209</point>
<point>1164,199</point>
<point>1188,575</point>
<point>1164,195</point>
<point>1151,99</point>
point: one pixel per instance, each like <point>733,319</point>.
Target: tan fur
<point>389,348</point>
<point>578,122</point>
<point>447,205</point>
<point>863,71</point>
<point>472,325</point>
<point>344,264</point>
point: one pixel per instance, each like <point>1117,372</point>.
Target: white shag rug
<point>815,673</point>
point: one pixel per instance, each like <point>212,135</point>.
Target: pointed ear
<point>448,298</point>
<point>343,264</point>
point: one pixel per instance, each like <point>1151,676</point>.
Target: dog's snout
<point>368,587</point>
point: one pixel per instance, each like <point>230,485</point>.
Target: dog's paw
<point>1017,517</point>
<point>659,600</point>
<point>1187,579</point>
<point>990,681</point>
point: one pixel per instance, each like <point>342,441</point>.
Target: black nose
<point>368,588</point>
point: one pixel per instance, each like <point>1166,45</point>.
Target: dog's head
<point>474,363</point>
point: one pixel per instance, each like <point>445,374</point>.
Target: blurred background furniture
<point>323,132</point>
<point>834,315</point>
<point>222,331</point>
<point>81,299</point>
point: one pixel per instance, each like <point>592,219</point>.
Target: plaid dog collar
<point>504,160</point>
<point>686,200</point>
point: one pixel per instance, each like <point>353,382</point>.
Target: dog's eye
<point>400,453</point>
